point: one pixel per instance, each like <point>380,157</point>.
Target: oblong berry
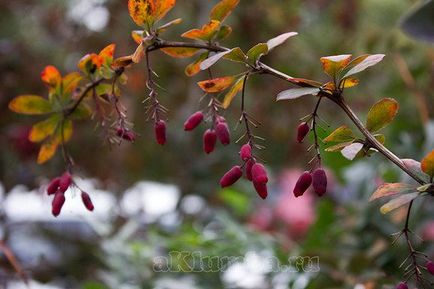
<point>261,189</point>
<point>248,169</point>
<point>193,121</point>
<point>302,131</point>
<point>246,152</point>
<point>259,174</point>
<point>160,132</point>
<point>223,134</point>
<point>64,182</point>
<point>87,201</point>
<point>231,177</point>
<point>209,140</point>
<point>303,183</point>
<point>402,285</point>
<point>53,186</point>
<point>430,267</point>
<point>57,203</point>
<point>319,182</point>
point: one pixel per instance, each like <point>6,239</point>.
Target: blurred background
<point>152,200</point>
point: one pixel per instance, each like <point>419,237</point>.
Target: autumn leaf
<point>44,129</point>
<point>180,52</point>
<point>361,63</point>
<point>106,55</point>
<point>305,82</point>
<point>348,82</point>
<point>205,33</point>
<point>30,104</point>
<point>137,36</point>
<point>139,53</point>
<point>341,134</point>
<point>123,61</point>
<point>51,76</point>
<point>223,32</point>
<point>381,114</point>
<point>164,27</point>
<point>71,81</point>
<point>194,68</point>
<point>216,84</point>
<point>223,9</point>
<point>398,202</point>
<point>147,12</point>
<point>391,189</point>
<point>415,167</point>
<point>237,87</point>
<point>427,164</point>
<point>332,65</point>
<point>47,150</point>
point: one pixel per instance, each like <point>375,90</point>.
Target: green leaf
<point>362,63</point>
<point>236,55</point>
<point>391,189</point>
<point>256,52</point>
<point>279,40</point>
<point>44,129</point>
<point>223,9</point>
<point>398,202</point>
<point>416,168</point>
<point>224,32</point>
<point>294,93</point>
<point>238,86</point>
<point>427,164</point>
<point>381,114</point>
<point>30,104</point>
<point>341,134</point>
<point>81,112</point>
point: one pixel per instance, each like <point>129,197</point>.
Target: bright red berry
<point>231,177</point>
<point>430,267</point>
<point>302,131</point>
<point>193,121</point>
<point>246,152</point>
<point>57,203</point>
<point>64,182</point>
<point>248,169</point>
<point>261,189</point>
<point>209,140</point>
<point>223,133</point>
<point>126,134</point>
<point>402,285</point>
<point>160,131</point>
<point>53,186</point>
<point>303,183</point>
<point>319,182</point>
<point>259,174</point>
<point>87,201</point>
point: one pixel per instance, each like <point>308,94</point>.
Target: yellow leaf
<point>238,86</point>
<point>149,11</point>
<point>51,76</point>
<point>223,9</point>
<point>205,33</point>
<point>107,53</point>
<point>137,36</point>
<point>332,65</point>
<point>341,134</point>
<point>427,164</point>
<point>47,151</point>
<point>216,84</point>
<point>44,129</point>
<point>381,114</point>
<point>71,81</point>
<point>30,104</point>
<point>349,82</point>
<point>64,132</point>
<point>123,61</point>
<point>194,68</point>
<point>180,52</point>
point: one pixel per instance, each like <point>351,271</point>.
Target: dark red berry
<point>259,174</point>
<point>248,169</point>
<point>246,152</point>
<point>53,186</point>
<point>303,183</point>
<point>87,201</point>
<point>193,121</point>
<point>319,182</point>
<point>57,204</point>
<point>126,134</point>
<point>302,131</point>
<point>402,285</point>
<point>209,140</point>
<point>231,177</point>
<point>261,189</point>
<point>223,133</point>
<point>64,182</point>
<point>430,267</point>
<point>160,132</point>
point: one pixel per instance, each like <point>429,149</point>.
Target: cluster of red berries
<point>58,187</point>
<point>254,172</point>
<point>126,134</point>
<point>219,130</point>
<point>159,129</point>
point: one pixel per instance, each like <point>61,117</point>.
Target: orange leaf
<point>123,61</point>
<point>180,52</point>
<point>106,55</point>
<point>194,68</point>
<point>223,9</point>
<point>238,86</point>
<point>137,36</point>
<point>47,151</point>
<point>216,84</point>
<point>427,164</point>
<point>51,76</point>
<point>332,65</point>
<point>149,11</point>
<point>349,82</point>
<point>44,129</point>
<point>205,33</point>
<point>139,53</point>
<point>90,62</point>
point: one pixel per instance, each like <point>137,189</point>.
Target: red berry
<point>302,131</point>
<point>53,186</point>
<point>246,152</point>
<point>126,134</point>
<point>231,177</point>
<point>261,189</point>
<point>319,182</point>
<point>430,267</point>
<point>87,201</point>
<point>64,182</point>
<point>402,285</point>
<point>160,132</point>
<point>259,174</point>
<point>57,204</point>
<point>223,133</point>
<point>209,140</point>
<point>249,165</point>
<point>193,121</point>
<point>303,183</point>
